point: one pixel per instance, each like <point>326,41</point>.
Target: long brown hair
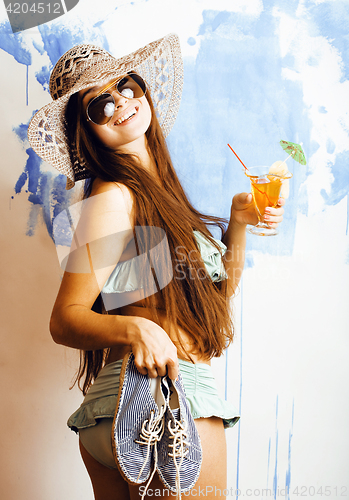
<point>198,306</point>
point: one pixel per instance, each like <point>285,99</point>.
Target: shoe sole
<point>124,366</point>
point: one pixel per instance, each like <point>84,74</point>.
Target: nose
<point>119,99</point>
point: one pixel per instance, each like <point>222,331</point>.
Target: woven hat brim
<point>160,65</point>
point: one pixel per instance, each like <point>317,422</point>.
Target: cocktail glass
<point>265,190</point>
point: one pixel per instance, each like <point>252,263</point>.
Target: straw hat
<point>159,63</point>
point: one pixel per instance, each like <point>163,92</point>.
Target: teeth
<point>126,117</point>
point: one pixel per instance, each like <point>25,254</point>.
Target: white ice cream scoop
<point>280,168</point>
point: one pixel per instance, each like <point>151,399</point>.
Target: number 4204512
<point>35,8</point>
<point>326,491</point>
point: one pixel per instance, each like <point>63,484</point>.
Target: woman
<point>102,126</point>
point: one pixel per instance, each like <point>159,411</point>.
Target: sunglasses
<point>102,108</point>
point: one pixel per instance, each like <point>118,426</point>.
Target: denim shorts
<point>99,406</point>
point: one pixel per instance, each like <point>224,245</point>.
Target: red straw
<point>238,157</point>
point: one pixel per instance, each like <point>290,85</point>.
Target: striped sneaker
<point>179,451</point>
<point>138,423</point>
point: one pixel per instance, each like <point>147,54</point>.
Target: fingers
<point>248,198</point>
<point>241,200</point>
<point>161,371</point>
<point>274,212</point>
<point>140,364</point>
<point>155,353</point>
<point>152,373</point>
<point>273,216</point>
<point>147,366</point>
<point>155,369</point>
<point>142,371</point>
<point>173,369</point>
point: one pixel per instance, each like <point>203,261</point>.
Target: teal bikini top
<point>125,276</point>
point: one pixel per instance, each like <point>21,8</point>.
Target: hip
<point>199,385</point>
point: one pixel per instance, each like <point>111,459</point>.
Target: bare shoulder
<point>106,214</point>
<point>114,192</point>
<point>103,229</point>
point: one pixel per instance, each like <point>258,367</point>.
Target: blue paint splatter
<point>275,480</point>
<point>312,148</point>
<point>303,204</point>
<point>191,41</point>
<point>46,192</point>
<point>250,105</point>
<point>38,47</point>
<point>33,170</point>
<point>330,146</point>
<point>59,194</point>
<point>287,6</point>
<point>21,131</point>
<point>322,109</point>
<point>269,449</point>
<point>58,39</point>
<point>212,21</point>
<point>27,86</point>
<point>43,77</point>
<point>288,472</point>
<point>32,167</point>
<point>249,260</point>
<point>288,61</point>
<point>340,184</point>
<point>331,19</point>
<point>33,220</point>
<point>62,230</point>
<point>14,45</point>
<point>22,179</point>
<point>5,29</point>
<point>313,61</point>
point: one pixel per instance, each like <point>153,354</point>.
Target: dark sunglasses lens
<point>132,86</point>
<point>101,109</point>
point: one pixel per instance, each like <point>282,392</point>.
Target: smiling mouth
<point>127,116</point>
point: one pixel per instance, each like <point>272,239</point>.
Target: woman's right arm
<point>102,234</point>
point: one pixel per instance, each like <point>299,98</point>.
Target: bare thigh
<point>213,476</point>
<point>107,484</point>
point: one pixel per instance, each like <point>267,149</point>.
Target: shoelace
<point>150,435</point>
<point>179,449</point>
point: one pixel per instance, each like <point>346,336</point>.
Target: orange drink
<point>265,190</point>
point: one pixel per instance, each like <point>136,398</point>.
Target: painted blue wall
<point>234,92</point>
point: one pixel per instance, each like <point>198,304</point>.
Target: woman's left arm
<point>243,213</point>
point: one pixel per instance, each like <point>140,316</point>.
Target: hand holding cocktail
<point>268,184</point>
<point>266,189</point>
